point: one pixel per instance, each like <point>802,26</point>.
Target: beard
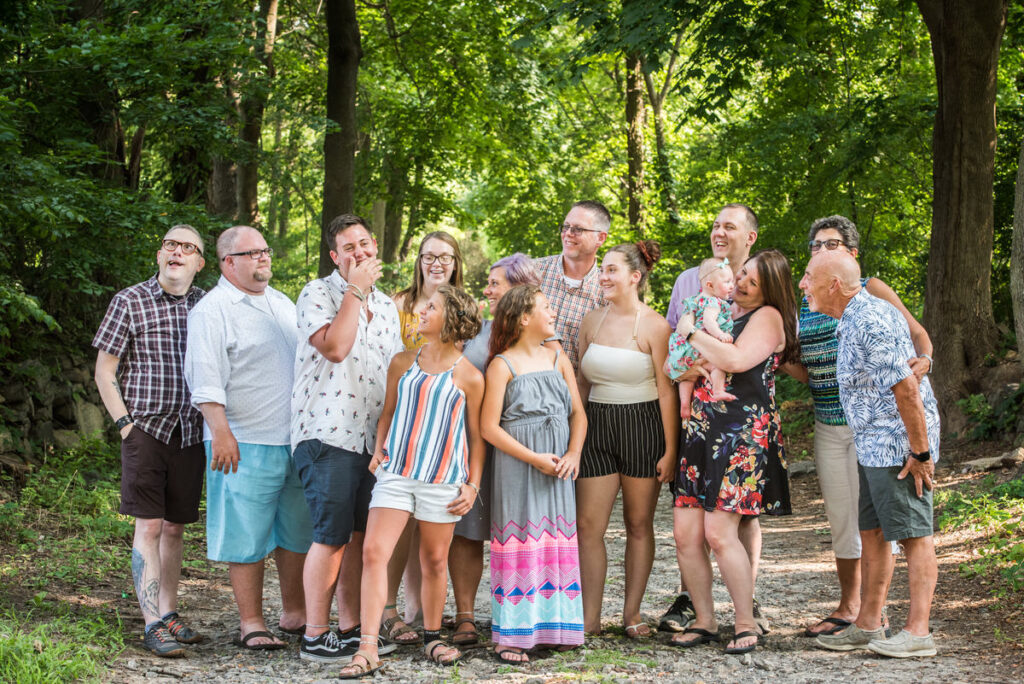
<point>262,275</point>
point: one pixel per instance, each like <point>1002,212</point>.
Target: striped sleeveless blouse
<point>427,439</point>
<point>818,349</point>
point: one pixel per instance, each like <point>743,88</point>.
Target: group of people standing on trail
<point>365,441</point>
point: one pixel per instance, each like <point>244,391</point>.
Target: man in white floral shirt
<point>895,425</point>
<point>348,332</point>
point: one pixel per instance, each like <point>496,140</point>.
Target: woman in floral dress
<point>732,462</point>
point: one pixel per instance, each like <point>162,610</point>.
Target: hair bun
<point>650,250</point>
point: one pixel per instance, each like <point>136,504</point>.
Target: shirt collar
<point>562,274</point>
<point>156,291</point>
<point>234,294</point>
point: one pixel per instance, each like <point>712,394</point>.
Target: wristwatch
<point>923,457</point>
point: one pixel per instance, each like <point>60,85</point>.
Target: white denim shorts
<point>427,502</point>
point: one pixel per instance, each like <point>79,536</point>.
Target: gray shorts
<point>893,505</point>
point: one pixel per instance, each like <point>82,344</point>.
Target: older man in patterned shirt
<point>895,425</point>
<point>569,279</point>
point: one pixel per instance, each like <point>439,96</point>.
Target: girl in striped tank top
<point>428,463</point>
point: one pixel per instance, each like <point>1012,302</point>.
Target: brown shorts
<point>161,480</point>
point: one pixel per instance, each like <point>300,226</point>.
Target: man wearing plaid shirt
<point>141,344</point>
<point>569,279</point>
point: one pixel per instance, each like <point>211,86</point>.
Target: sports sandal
<point>705,637</point>
<point>464,637</point>
<point>445,659</point>
<point>395,628</point>
<point>358,669</point>
<point>838,625</point>
<point>680,616</point>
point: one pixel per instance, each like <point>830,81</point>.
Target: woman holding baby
<point>731,457</point>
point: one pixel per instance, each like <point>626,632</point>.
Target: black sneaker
<point>327,648</point>
<point>351,637</point>
<point>680,616</point>
<point>159,640</point>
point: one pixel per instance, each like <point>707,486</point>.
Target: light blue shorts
<point>257,509</point>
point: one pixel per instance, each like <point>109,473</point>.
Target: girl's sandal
<point>394,629</point>
<point>445,657</point>
<point>638,631</point>
<point>357,670</point>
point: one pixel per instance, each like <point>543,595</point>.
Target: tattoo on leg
<point>138,567</point>
<point>148,595</point>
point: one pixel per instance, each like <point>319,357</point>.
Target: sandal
<point>260,634</point>
<point>465,637</point>
<point>445,659</point>
<point>394,629</point>
<point>704,637</point>
<point>357,670</point>
<point>736,650</point>
<point>504,653</point>
<point>838,625</point>
<point>638,631</point>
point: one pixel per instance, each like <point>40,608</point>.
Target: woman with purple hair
<point>466,555</point>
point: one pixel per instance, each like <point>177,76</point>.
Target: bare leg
<point>848,570</point>
<point>876,568</point>
<point>171,545</point>
<point>922,567</point>
<point>347,590</point>
<point>289,575</point>
<point>413,579</point>
<point>595,497</point>
<point>718,392</point>
<point>466,567</point>
<point>319,577</point>
<point>685,397</point>
<point>694,567</point>
<point>639,499</point>
<point>247,584</point>
<point>722,531</point>
<point>750,537</point>
<point>147,567</point>
<point>383,529</point>
<point>396,567</point>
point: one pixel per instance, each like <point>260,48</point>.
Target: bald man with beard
<point>895,424</point>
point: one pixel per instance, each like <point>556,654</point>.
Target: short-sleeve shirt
<point>874,348</point>
<point>687,285</point>
<point>145,328</point>
<point>241,351</point>
<point>339,403</point>
<point>570,304</point>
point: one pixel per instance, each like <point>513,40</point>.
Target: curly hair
<point>412,293</point>
<point>461,315</point>
<point>505,330</point>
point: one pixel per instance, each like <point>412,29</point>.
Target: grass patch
<point>998,509</point>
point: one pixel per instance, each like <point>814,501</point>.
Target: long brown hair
<point>412,293</point>
<point>505,330</point>
<point>776,282</point>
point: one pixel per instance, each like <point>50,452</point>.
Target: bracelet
<point>474,487</point>
<point>931,362</point>
<point>124,420</point>
<point>357,291</point>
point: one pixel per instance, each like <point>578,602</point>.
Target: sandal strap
<point>463,621</point>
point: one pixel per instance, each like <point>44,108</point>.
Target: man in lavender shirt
<point>732,236</point>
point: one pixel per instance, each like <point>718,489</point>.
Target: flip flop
<point>838,625</point>
<point>737,650</point>
<point>500,652</point>
<point>706,637</point>
<point>634,631</point>
<point>244,642</point>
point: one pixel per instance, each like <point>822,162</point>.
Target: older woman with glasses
<point>834,454</point>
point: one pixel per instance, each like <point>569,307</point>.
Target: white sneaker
<point>904,645</point>
<point>853,637</point>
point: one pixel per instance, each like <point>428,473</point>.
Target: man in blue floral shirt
<point>895,424</point>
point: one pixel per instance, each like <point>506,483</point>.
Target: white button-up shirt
<point>240,353</point>
<point>340,403</point>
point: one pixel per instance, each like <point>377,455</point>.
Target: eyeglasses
<point>186,247</point>
<point>445,259</point>
<point>833,243</point>
<point>576,230</point>
<point>254,254</point>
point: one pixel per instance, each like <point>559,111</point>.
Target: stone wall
<point>48,405</point>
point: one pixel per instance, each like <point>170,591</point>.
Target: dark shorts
<point>893,505</point>
<point>338,486</point>
<point>161,481</point>
<point>624,439</point>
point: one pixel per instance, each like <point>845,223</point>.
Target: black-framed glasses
<point>576,230</point>
<point>186,247</point>
<point>830,244</point>
<point>445,259</point>
<point>254,254</point>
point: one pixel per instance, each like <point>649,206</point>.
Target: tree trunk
<point>667,192</point>
<point>254,101</point>
<point>343,54</point>
<point>221,198</point>
<point>398,183</point>
<point>635,142</point>
<point>415,198</point>
<point>135,158</point>
<point>1017,256</point>
<point>965,37</point>
<point>380,210</point>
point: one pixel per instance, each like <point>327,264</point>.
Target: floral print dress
<point>732,454</point>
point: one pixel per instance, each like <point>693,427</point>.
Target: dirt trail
<point>796,586</point>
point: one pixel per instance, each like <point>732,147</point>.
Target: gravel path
<point>796,586</point>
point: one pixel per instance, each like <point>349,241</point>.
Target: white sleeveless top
<point>618,375</point>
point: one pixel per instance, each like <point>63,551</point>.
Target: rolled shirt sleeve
<point>207,366</point>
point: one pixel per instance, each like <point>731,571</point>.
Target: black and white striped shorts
<point>627,439</point>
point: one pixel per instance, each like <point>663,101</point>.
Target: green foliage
<point>998,510</point>
<point>59,647</point>
<point>990,422</point>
